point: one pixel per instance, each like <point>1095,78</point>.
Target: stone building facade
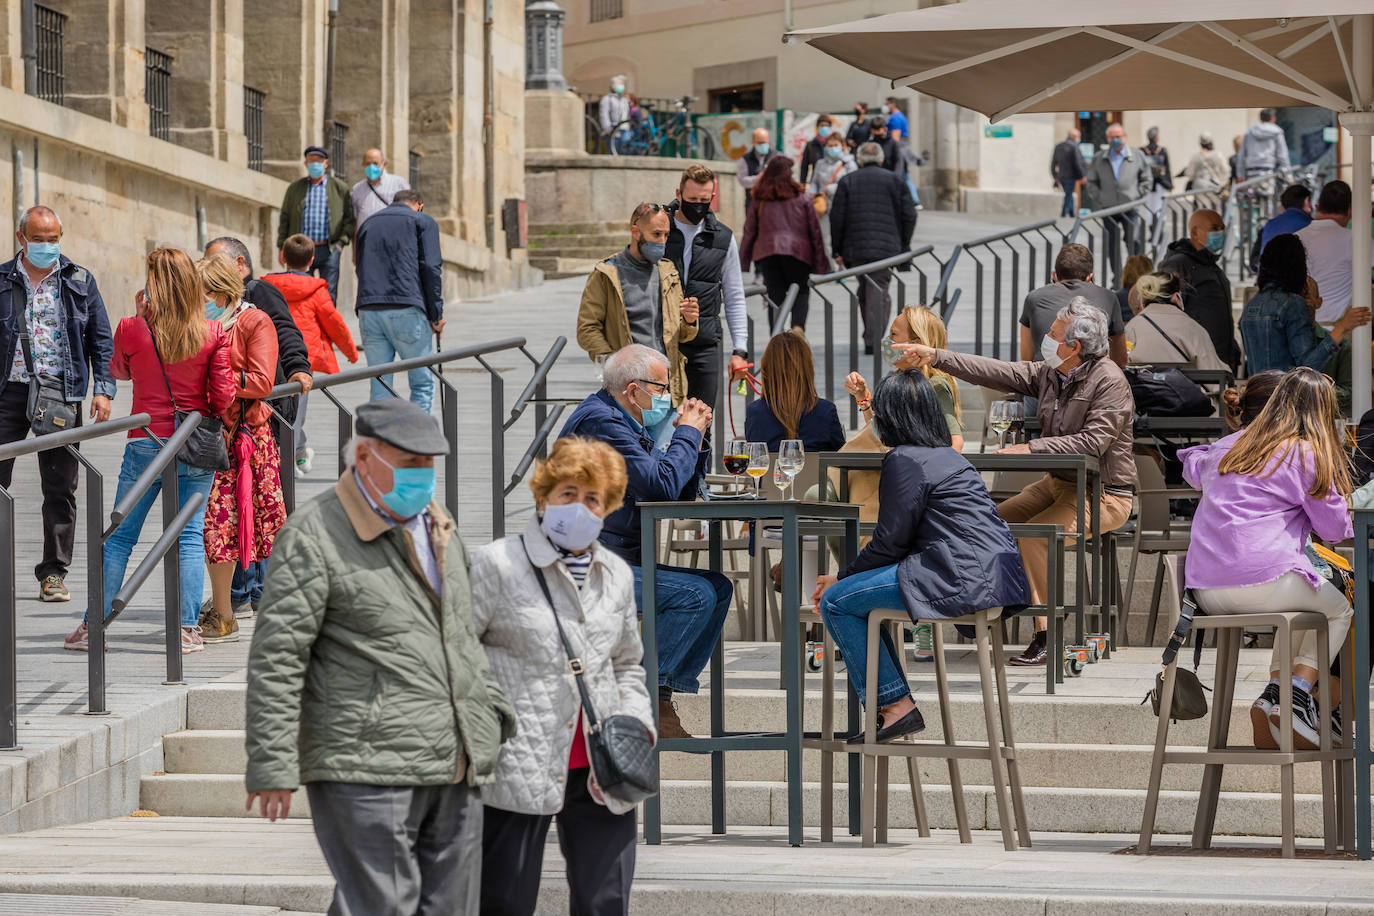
<point>168,122</point>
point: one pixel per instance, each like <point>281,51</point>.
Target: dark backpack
<point>1167,392</point>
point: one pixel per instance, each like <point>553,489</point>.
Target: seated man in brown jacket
<point>636,297</point>
<point>1085,408</point>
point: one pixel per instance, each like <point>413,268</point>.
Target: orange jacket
<point>253,361</point>
<point>318,320</point>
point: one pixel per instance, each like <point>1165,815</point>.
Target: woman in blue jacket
<point>790,407</point>
<point>940,550</point>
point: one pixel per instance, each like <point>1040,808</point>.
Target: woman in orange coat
<point>246,508</point>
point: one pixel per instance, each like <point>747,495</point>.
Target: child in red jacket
<point>320,324</point>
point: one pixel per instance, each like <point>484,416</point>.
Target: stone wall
<point>605,189</point>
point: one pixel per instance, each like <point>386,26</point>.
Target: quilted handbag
<point>620,748</point>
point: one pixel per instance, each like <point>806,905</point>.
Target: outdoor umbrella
<point>1003,57</point>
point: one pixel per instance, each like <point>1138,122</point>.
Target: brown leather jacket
<point>253,361</point>
<point>1088,412</point>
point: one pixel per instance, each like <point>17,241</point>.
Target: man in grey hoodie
<point>1264,148</point>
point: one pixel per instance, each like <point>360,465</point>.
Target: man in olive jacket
<point>319,205</point>
<point>367,683</point>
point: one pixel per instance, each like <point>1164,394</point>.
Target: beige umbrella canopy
<point>1003,57</point>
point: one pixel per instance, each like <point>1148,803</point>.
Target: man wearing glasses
<point>634,400</point>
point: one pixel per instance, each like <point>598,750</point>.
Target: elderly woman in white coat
<point>543,772</point>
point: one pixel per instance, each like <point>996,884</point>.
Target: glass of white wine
<point>791,460</point>
<point>1016,419</point>
<point>999,418</point>
<point>758,465</point>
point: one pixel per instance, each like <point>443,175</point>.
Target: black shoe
<point>868,351</point>
<point>909,724</point>
<point>1036,653</point>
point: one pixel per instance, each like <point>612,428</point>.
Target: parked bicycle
<point>678,137</point>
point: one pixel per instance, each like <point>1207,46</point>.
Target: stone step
<point>557,268</point>
<point>72,905</point>
<point>607,242</point>
<point>538,230</point>
<point>1063,766</point>
<point>688,802</point>
<point>572,251</point>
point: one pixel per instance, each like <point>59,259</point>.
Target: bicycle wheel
<point>629,139</point>
<point>596,144</point>
<point>704,142</point>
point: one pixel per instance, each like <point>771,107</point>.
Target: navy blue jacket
<point>936,521</point>
<point>653,475</point>
<point>399,262</point>
<point>87,343</point>
<point>819,429</point>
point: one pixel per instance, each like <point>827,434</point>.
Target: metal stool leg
<point>956,782</point>
<point>1228,655</point>
<point>1018,804</point>
<point>1328,766</point>
<point>999,781</point>
<point>870,762</point>
<point>1283,637</point>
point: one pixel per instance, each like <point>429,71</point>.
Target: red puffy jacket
<point>203,383</point>
<point>318,320</point>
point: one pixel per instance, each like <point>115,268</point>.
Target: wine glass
<point>737,457</point>
<point>999,418</point>
<point>601,368</point>
<point>1016,418</point>
<point>791,460</point>
<point>758,465</point>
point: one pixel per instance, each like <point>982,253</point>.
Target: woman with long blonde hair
<point>790,407</point>
<point>916,324</point>
<point>177,360</point>
<point>246,507</point>
<point>1265,490</point>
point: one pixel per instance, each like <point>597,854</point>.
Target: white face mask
<point>1049,352</point>
<point>572,527</point>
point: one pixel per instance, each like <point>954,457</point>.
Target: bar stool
<point>1218,753</point>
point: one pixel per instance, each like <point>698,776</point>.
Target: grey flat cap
<point>316,151</point>
<point>402,424</point>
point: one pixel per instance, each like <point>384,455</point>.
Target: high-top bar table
<point>790,514</point>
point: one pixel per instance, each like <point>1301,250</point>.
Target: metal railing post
<point>854,353</point>
<point>286,458</point>
<point>171,575</point>
<point>9,636</point>
<point>829,349</point>
<point>95,590</point>
<point>498,454</point>
<point>448,407</point>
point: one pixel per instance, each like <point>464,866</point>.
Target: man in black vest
<point>751,164</point>
<point>707,259</point>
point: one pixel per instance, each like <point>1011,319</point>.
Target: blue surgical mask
<point>619,90</point>
<point>823,132</point>
<point>373,172</point>
<point>761,149</point>
<point>42,254</point>
<point>652,251</point>
<point>213,310</point>
<point>660,405</point>
<point>1116,143</point>
<point>411,489</point>
<point>833,153</point>
<point>1216,241</point>
<point>314,169</point>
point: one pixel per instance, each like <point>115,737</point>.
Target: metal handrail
<point>165,456</point>
<point>165,542</point>
<point>22,447</point>
<point>324,381</point>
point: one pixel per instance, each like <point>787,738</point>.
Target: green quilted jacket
<point>358,671</point>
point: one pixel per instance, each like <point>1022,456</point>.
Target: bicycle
<point>677,138</point>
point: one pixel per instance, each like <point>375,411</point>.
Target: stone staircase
<point>1084,760</point>
<point>570,249</point>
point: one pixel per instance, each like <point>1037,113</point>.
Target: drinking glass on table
<point>601,368</point>
<point>1016,419</point>
<point>758,465</point>
<point>791,460</point>
<point>999,418</point>
<point>736,457</point>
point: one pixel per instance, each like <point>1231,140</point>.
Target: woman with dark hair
<point>940,550</point>
<point>783,234</point>
<point>790,407</point>
<point>1277,326</point>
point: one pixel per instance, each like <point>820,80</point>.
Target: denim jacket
<point>1279,333</point>
<point>87,344</point>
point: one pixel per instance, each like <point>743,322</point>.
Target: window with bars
<point>603,10</point>
<point>252,125</point>
<point>338,149</point>
<point>415,169</point>
<point>50,28</point>
<point>157,90</point>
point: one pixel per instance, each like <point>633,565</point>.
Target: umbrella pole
<point>1361,126</point>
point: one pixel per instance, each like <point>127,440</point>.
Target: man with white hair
<point>1085,408</point>
<point>614,110</point>
<point>633,403</point>
<point>752,163</point>
<point>375,190</point>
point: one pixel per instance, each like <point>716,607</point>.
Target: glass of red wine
<point>737,457</point>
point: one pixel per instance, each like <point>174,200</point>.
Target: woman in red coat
<point>783,234</point>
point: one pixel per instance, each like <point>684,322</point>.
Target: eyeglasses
<point>661,386</point>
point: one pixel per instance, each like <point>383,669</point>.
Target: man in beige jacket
<point>635,296</point>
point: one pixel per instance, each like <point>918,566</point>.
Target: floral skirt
<point>222,536</point>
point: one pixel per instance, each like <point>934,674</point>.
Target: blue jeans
<point>845,607</point>
<point>692,605</point>
<point>247,585</point>
<point>1070,207</point>
<point>391,334</point>
<point>326,266</point>
<point>138,454</point>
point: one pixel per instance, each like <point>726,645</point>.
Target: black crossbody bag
<point>205,448</point>
<point>619,746</point>
<point>1189,700</point>
<point>47,409</point>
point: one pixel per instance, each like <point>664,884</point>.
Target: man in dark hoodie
<point>1206,291</point>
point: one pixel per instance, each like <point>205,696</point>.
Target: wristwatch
<point>742,354</point>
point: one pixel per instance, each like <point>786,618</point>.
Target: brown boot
<point>669,725</point>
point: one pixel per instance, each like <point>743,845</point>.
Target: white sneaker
<point>306,463</point>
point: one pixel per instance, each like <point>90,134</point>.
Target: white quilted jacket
<point>515,625</point>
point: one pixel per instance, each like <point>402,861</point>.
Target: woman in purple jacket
<point>1265,490</point>
<point>783,234</point>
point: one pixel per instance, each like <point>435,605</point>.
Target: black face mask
<point>881,135</point>
<point>694,211</point>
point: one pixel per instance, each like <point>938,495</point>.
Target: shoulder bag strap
<point>166,381</point>
<point>20,305</point>
<point>1186,357</point>
<point>373,188</point>
<point>1187,609</point>
<point>574,662</point>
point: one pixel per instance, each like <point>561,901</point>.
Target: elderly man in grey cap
<point>367,685</point>
<point>319,205</point>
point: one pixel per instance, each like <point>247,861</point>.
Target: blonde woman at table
<point>543,772</point>
<point>939,549</point>
<point>1265,491</point>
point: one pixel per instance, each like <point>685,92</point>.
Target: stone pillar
<point>372,80</point>
<point>508,127</point>
<point>12,45</point>
<point>435,89</point>
<point>283,56</point>
<point>544,45</point>
<point>470,202</point>
<point>104,58</point>
<point>205,40</point>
